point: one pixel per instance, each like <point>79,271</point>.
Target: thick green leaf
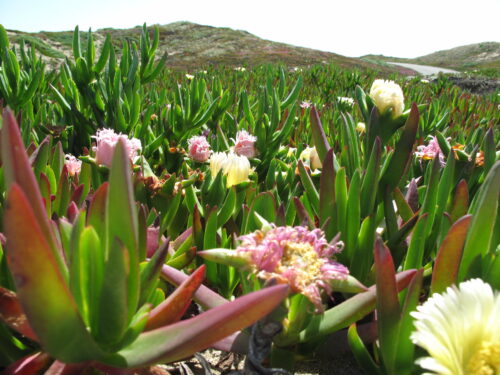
<point>319,137</point>
<point>327,208</point>
<point>53,316</point>
<point>360,352</point>
<point>312,193</point>
<point>484,209</point>
<point>122,220</point>
<point>460,203</point>
<point>349,311</point>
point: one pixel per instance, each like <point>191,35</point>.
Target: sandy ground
<point>425,69</point>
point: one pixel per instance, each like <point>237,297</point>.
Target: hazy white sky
<point>353,28</point>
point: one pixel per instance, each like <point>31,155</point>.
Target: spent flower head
<point>387,95</point>
<point>106,140</point>
<point>430,151</point>
<point>311,158</point>
<point>297,256</point>
<point>73,164</point>
<point>244,144</point>
<point>460,329</point>
<point>199,148</point>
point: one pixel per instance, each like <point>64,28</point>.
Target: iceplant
<point>199,149</point>
<point>244,144</point>
<point>93,302</point>
<point>236,168</point>
<point>460,329</point>
<point>387,96</point>
<point>296,256</point>
<point>106,141</point>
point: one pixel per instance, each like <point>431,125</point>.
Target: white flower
<point>424,81</point>
<point>240,69</point>
<point>217,161</point>
<point>189,76</point>
<point>460,329</point>
<point>346,101</point>
<point>387,95</point>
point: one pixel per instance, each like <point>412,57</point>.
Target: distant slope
<point>191,45</point>
<point>472,56</point>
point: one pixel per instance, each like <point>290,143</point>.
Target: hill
<point>192,46</point>
<point>473,56</point>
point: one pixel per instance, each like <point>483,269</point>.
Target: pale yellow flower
<point>460,329</point>
<point>361,127</point>
<point>311,158</point>
<point>217,161</point>
<point>387,95</point>
<point>237,169</point>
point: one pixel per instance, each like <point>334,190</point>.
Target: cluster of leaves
<point>408,224</point>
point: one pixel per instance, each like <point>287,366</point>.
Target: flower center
<point>486,361</point>
<point>304,260</point>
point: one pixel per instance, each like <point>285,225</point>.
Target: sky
<point>398,28</point>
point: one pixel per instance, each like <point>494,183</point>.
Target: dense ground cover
<point>313,200</point>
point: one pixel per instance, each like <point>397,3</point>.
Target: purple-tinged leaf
<point>460,204</point>
<point>388,309</point>
<point>449,255</point>
<point>411,196</point>
<point>28,251</point>
<point>182,339</point>
<point>302,213</point>
<point>176,304</point>
<point>13,315</point>
<point>17,169</point>
<point>204,296</point>
<point>29,365</point>
<point>402,155</point>
<point>63,197</point>
<point>319,136</point>
<point>150,273</point>
<point>327,208</point>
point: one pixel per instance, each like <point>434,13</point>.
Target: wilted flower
<point>460,329</point>
<point>297,256</point>
<point>236,168</point>
<point>199,149</point>
<point>245,144</point>
<point>361,127</point>
<point>106,142</point>
<point>311,158</point>
<point>305,104</point>
<point>73,164</point>
<point>387,95</point>
<point>430,151</point>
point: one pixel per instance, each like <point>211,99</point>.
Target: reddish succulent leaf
<point>206,297</point>
<point>448,259</point>
<point>388,309</point>
<point>17,169</point>
<point>172,309</point>
<point>97,210</point>
<point>302,213</point>
<point>35,271</point>
<point>12,313</point>
<point>60,368</point>
<point>29,365</point>
<point>182,339</point>
<point>318,133</point>
<point>460,204</point>
<point>77,194</point>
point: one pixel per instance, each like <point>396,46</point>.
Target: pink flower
<point>305,104</point>
<point>73,164</point>
<point>245,144</point>
<point>106,143</point>
<point>430,151</point>
<point>297,256</point>
<point>199,149</point>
